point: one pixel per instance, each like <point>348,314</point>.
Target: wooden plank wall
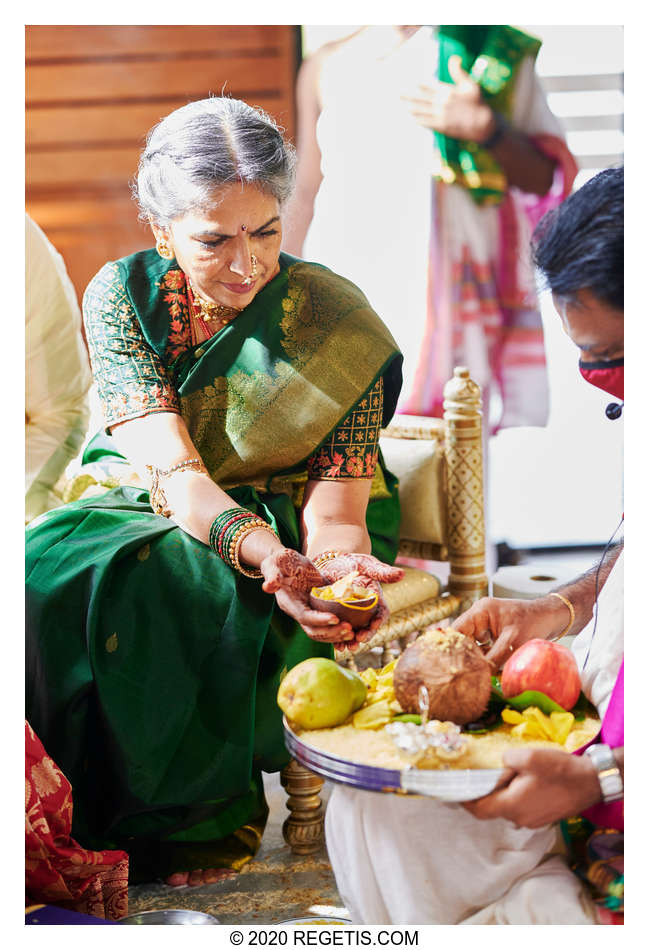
<point>93,92</point>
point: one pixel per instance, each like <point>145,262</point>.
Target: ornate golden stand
<point>303,830</point>
<point>465,491</point>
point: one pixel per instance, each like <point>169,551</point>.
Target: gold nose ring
<point>253,273</point>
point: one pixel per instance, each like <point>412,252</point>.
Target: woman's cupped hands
<point>290,576</point>
<point>371,574</point>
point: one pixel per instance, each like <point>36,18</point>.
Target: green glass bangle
<point>229,533</point>
<point>228,528</point>
<point>221,520</point>
<point>225,528</point>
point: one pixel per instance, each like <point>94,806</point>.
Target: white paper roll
<point>527,581</point>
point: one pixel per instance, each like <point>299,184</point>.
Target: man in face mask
<point>579,249</point>
<point>500,859</point>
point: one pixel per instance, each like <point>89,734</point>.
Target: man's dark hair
<point>580,245</point>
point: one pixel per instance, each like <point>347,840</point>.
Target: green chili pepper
<point>532,697</point>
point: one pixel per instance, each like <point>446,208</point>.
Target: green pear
<point>359,688</point>
<point>319,694</point>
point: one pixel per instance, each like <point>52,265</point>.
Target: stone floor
<point>276,886</point>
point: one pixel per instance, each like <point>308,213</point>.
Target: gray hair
<point>207,144</point>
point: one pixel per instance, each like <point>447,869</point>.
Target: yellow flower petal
<point>372,717</point>
<point>528,730</point>
<point>511,716</point>
<point>562,723</point>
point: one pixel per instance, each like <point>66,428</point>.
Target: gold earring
<point>164,250</point>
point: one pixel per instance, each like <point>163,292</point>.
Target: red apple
<point>544,666</point>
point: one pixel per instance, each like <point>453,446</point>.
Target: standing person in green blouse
<point>249,387</point>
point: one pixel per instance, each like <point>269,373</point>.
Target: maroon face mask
<point>605,374</point>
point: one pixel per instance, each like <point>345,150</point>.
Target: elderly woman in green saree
<point>250,387</point>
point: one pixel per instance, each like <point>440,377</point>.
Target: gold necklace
<point>209,311</point>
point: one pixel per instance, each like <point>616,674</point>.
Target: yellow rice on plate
<point>376,747</point>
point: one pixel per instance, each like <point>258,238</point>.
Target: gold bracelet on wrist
<point>157,497</point>
<point>564,600</point>
<point>237,540</point>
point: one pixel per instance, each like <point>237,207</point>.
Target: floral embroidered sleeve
<point>131,378</point>
<point>352,449</point>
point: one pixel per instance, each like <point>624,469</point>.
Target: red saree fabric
<point>57,869</point>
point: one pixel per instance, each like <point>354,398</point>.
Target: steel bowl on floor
<point>170,916</point>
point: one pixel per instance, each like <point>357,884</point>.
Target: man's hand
<point>545,786</point>
<point>501,625</point>
<point>455,109</point>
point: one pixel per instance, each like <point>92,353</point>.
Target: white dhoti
<point>407,860</point>
<point>415,860</point>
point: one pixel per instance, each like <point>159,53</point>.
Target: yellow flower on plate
<point>369,677</point>
<point>534,724</point>
<point>379,694</point>
<point>562,723</point>
<point>372,717</point>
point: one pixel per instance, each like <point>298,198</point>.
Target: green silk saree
<point>152,667</point>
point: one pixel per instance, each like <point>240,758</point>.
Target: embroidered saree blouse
<point>134,380</point>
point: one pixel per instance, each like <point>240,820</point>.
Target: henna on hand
<point>372,573</point>
<point>290,576</point>
<point>367,565</point>
<point>290,570</point>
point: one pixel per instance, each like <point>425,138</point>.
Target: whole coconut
<point>453,670</point>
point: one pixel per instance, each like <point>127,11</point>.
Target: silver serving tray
<point>169,916</point>
<point>449,785</point>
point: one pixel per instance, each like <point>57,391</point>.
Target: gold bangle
<point>233,547</point>
<point>255,572</point>
<point>564,600</point>
<point>248,525</point>
<point>237,540</point>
